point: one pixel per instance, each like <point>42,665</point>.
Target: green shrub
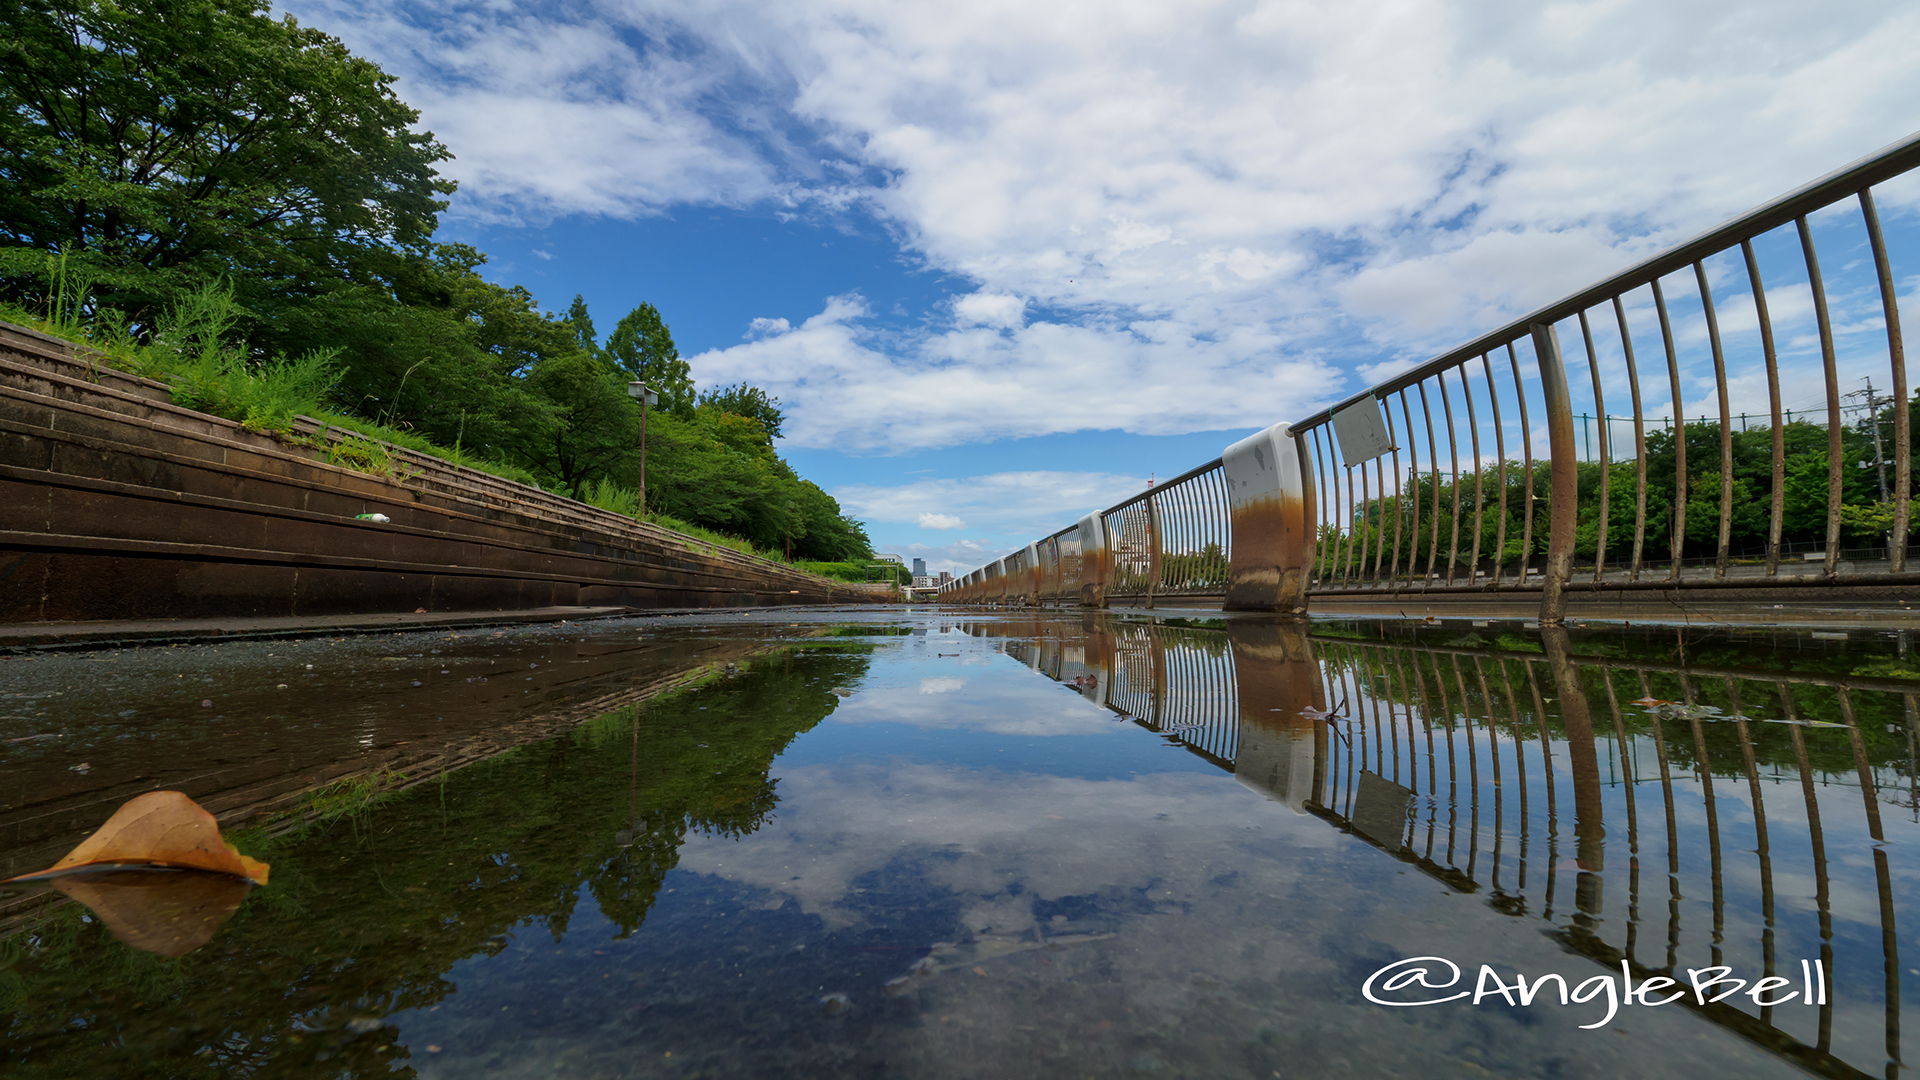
<point>208,374</point>
<point>610,496</point>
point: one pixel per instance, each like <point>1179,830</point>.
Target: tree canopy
<point>172,151</point>
<point>165,142</point>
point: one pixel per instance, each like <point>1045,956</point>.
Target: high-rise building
<point>919,568</point>
<point>946,576</point>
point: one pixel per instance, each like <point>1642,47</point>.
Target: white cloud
<point>957,556</point>
<point>942,684</point>
<point>998,310</point>
<point>847,386</point>
<point>1173,217</point>
<point>940,521</point>
<point>548,117</point>
<point>1025,503</point>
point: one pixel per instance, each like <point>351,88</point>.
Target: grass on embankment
<point>189,352</point>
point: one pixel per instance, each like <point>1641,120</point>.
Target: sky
<point>1003,264</point>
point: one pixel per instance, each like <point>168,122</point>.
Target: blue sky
<point>1002,264</point>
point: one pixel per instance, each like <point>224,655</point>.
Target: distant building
<point>923,581</point>
<point>894,559</point>
<point>946,577</point>
<point>919,568</point>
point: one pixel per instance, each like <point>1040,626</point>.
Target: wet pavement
<point>876,843</point>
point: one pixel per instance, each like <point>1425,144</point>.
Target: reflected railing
<point>1662,814</point>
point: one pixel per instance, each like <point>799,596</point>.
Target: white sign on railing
<point>1362,431</point>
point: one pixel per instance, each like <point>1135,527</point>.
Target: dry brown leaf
<point>167,912</point>
<point>160,828</point>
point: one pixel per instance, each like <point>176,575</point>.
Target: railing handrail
<point>1882,164</point>
<point>1151,488</point>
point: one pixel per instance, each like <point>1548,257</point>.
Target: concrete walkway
<point>57,635</point>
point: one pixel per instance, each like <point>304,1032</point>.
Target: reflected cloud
<point>1001,840</point>
<point>1025,706</point>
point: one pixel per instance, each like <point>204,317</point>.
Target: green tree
<point>165,142</point>
<point>752,402</point>
<point>1747,521</point>
<point>439,350</point>
<point>582,324</point>
<point>597,433</point>
<point>643,348</point>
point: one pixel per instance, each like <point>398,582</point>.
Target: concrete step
<point>99,476</point>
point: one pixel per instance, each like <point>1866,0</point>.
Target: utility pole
<point>1873,419</point>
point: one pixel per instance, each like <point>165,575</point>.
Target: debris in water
<point>162,829</point>
<point>157,874</point>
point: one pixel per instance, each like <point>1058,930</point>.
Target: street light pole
<point>646,397</point>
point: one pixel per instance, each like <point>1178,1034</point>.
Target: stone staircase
<point>117,504</point>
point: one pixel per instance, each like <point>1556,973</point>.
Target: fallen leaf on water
<point>167,912</point>
<point>160,829</point>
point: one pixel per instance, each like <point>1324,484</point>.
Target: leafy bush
<point>608,495</point>
<point>208,374</point>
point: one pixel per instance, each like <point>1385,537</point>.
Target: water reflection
<point>169,912</point>
<point>1053,846</point>
<point>1474,764</point>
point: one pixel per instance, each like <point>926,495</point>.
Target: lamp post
<point>647,398</point>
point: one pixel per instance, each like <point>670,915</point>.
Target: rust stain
<point>1272,555</point>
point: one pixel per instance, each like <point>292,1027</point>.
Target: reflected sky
<point>1050,847</point>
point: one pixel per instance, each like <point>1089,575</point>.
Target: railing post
<point>1563,507</point>
<point>1270,503</point>
<point>1156,674</point>
<point>1281,750</point>
<point>1096,561</point>
<point>1153,549</point>
<point>1031,571</point>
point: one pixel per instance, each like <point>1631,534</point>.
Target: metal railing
<point>1467,474</point>
<point>1172,539</point>
<point>1637,807</point>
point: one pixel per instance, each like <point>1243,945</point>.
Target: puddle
<point>792,844</point>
